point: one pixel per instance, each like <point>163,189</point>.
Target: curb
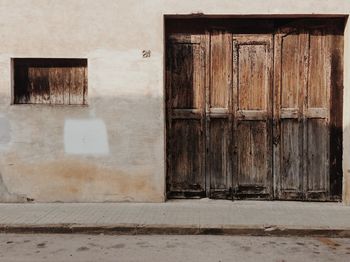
<point>133,229</point>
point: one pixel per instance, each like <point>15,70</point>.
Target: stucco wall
<point>42,156</point>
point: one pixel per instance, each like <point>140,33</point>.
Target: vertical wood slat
<point>39,87</point>
<point>85,88</point>
<point>76,92</point>
<point>66,83</point>
<point>56,85</point>
<point>207,45</point>
<point>235,181</point>
<point>276,114</point>
<point>304,107</point>
<point>203,53</point>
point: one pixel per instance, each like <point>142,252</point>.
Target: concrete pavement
<point>179,217</point>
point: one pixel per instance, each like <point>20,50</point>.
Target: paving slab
<point>179,217</point>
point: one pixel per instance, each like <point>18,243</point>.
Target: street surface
<point>55,247</point>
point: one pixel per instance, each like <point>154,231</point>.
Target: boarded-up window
<point>50,81</point>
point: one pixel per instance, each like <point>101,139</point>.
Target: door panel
<point>252,154</point>
<point>185,76</point>
<point>291,59</point>
<point>220,70</point>
<point>291,158</point>
<point>218,158</point>
<point>252,85</point>
<point>317,115</point>
<point>185,113</point>
<point>303,69</point>
<point>219,115</point>
<point>186,163</point>
<point>252,76</point>
<point>317,159</point>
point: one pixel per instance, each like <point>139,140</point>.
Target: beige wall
<point>43,155</point>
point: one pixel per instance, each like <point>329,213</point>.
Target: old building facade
<point>142,101</point>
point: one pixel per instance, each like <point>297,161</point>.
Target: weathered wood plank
<point>56,83</point>
<point>184,77</point>
<point>219,120</point>
<point>218,159</point>
<point>317,155</point>
<point>291,59</point>
<point>221,69</point>
<point>252,77</point>
<point>244,153</point>
<point>291,167</point>
<point>317,113</point>
<point>186,161</point>
<point>76,90</point>
<point>252,67</point>
<point>66,82</point>
<point>319,70</point>
<point>39,85</point>
<point>185,114</point>
<point>291,54</point>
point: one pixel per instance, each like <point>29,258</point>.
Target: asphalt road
<point>43,247</point>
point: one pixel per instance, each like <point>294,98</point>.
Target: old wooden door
<point>257,114</point>
<point>219,115</point>
<point>307,78</point>
<point>186,69</point>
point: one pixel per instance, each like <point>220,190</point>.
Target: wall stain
<point>7,196</point>
<point>69,180</point>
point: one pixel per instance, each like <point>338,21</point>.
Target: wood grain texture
<point>185,114</point>
<point>39,85</point>
<point>50,81</point>
<point>302,106</point>
<point>291,68</point>
<point>221,69</point>
<point>252,71</point>
<point>219,115</point>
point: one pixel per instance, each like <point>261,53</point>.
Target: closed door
<point>252,87</point>
<point>185,115</point>
<point>249,115</point>
<point>308,62</point>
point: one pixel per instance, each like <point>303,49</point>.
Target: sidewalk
<point>179,217</point>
